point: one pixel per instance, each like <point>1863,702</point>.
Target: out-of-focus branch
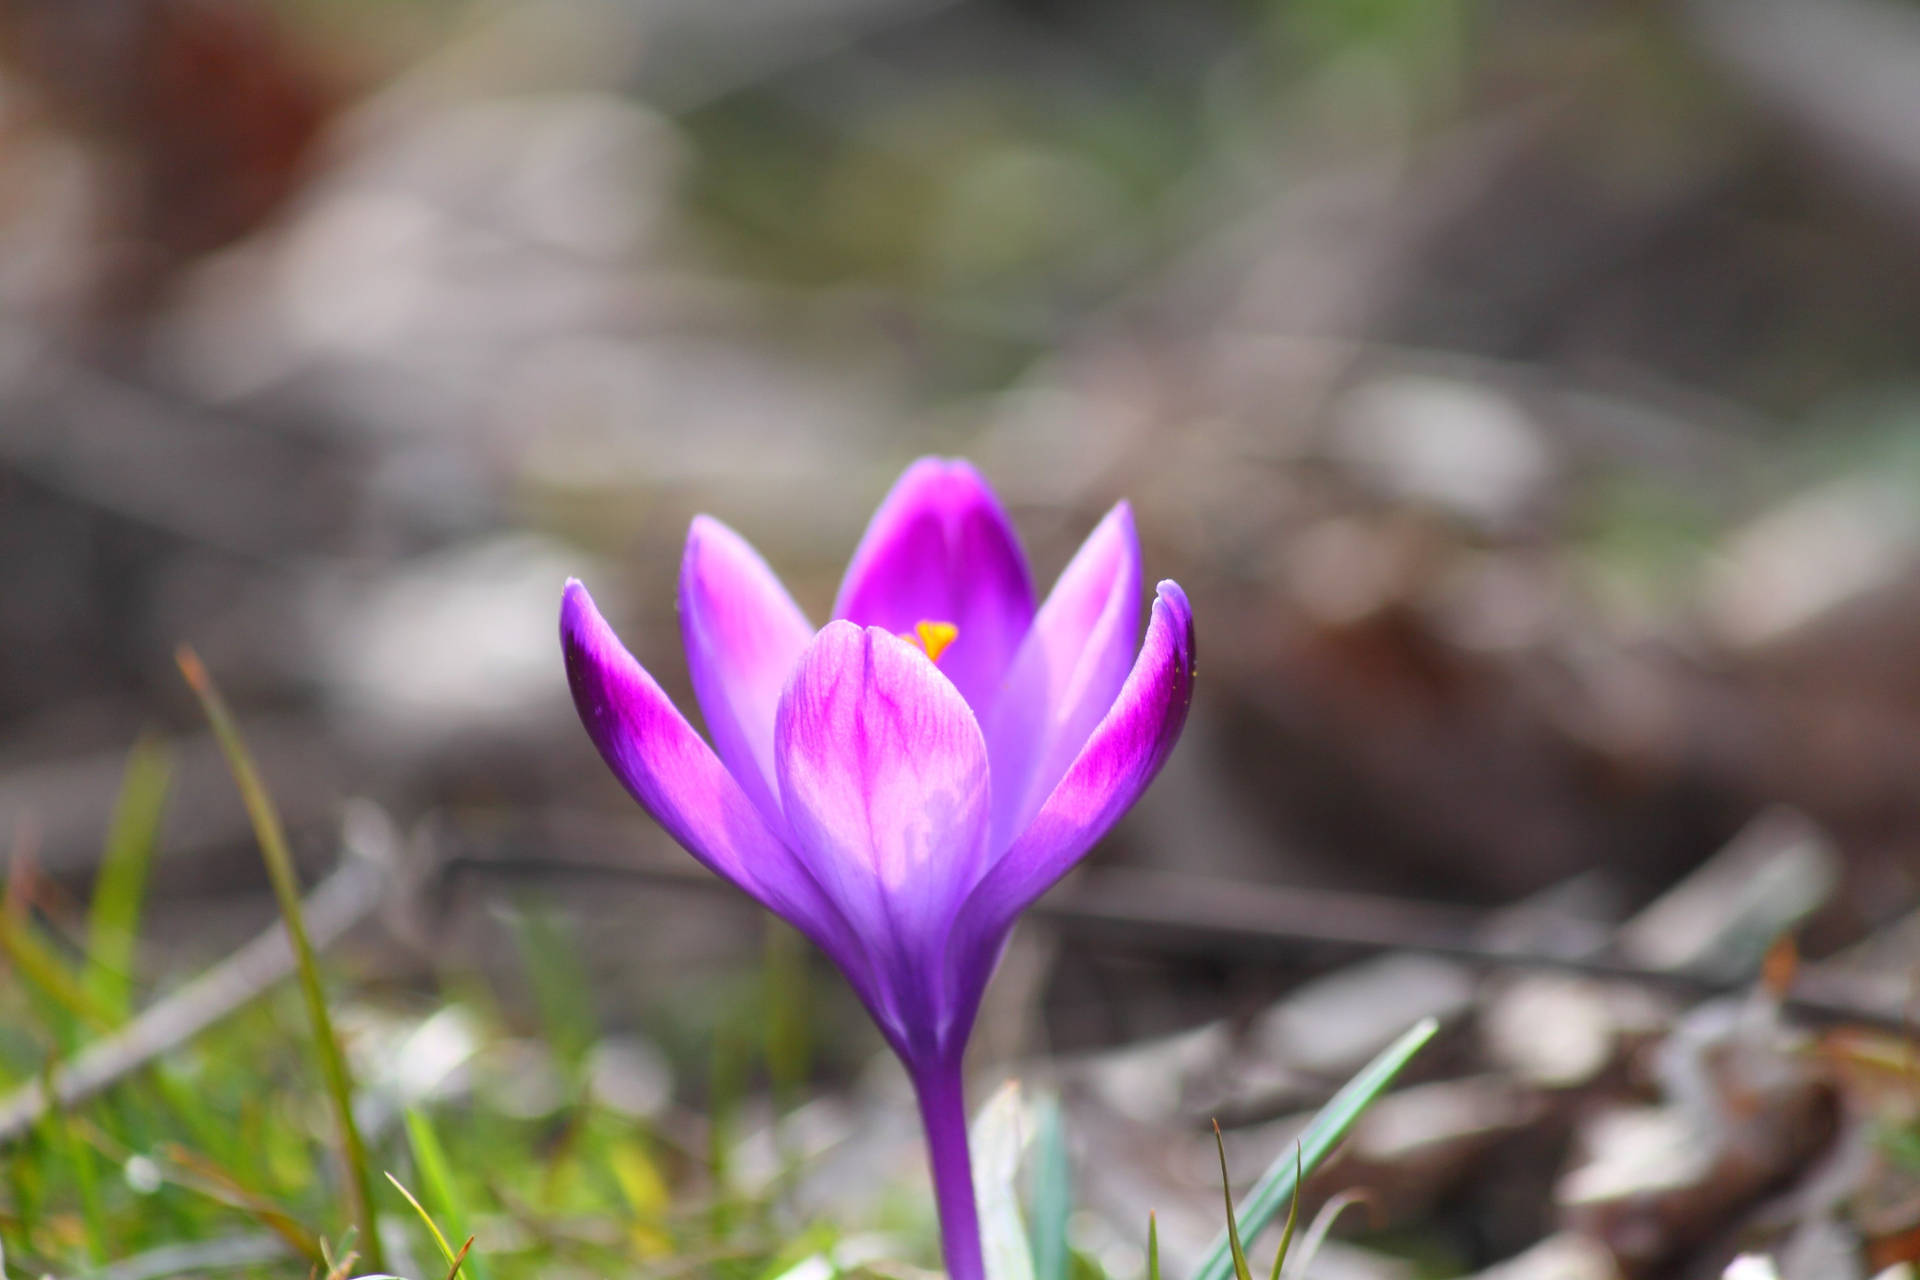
<point>345,898</point>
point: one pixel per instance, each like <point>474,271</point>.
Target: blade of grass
<point>93,1217</point>
<point>347,896</point>
<point>286,888</point>
<point>1236,1254</point>
<point>644,1187</point>
<point>785,995</point>
<point>1153,1247</point>
<point>27,1187</point>
<point>119,891</point>
<point>1322,1224</point>
<point>44,969</point>
<point>1322,1135</point>
<point>339,1270</point>
<point>1052,1194</point>
<point>1293,1217</point>
<point>177,1093</point>
<point>55,998</point>
<point>454,1270</point>
<point>728,1066</point>
<point>437,1180</point>
<point>197,1173</point>
<point>446,1250</point>
<point>562,990</point>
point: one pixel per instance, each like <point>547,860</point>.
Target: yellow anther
<point>933,637</point>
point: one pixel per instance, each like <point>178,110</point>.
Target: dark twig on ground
<point>1159,909</point>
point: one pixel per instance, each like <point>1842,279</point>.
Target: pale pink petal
<point>1066,674</point>
<point>744,635</point>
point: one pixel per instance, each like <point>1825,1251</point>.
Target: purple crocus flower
<point>902,783</point>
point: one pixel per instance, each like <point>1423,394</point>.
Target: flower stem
<point>943,1111</point>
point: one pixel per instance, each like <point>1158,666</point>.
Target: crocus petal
<point>744,635</point>
<point>676,777</point>
<point>1066,674</point>
<point>941,549</point>
<point>884,779</point>
<point>1122,756</point>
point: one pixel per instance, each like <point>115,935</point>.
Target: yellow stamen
<point>933,637</point>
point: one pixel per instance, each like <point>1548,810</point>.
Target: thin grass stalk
<point>433,1228</point>
<point>1293,1214</point>
<point>1238,1253</point>
<point>286,889</point>
<point>1329,1125</point>
<point>93,1216</point>
<point>113,918</point>
<point>438,1183</point>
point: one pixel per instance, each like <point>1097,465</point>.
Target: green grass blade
<point>727,1076</point>
<point>787,1033</point>
<point>93,1217</point>
<point>438,1184</point>
<point>286,888</point>
<point>27,1186</point>
<point>119,891</point>
<point>1153,1247</point>
<point>1236,1255</point>
<point>433,1228</point>
<point>179,1093</point>
<point>1293,1217</point>
<point>194,1172</point>
<point>1052,1194</point>
<point>1276,1186</point>
<point>46,971</point>
<point>562,989</point>
<point>1322,1225</point>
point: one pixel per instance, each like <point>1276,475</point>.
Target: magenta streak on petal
<point>1066,674</point>
<point>677,778</point>
<point>884,781</point>
<point>941,549</point>
<point>743,635</point>
<point>1122,756</point>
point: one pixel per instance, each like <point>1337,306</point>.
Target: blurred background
<point>1527,394</point>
